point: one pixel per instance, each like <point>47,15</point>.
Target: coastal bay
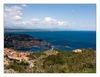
<point>62,40</point>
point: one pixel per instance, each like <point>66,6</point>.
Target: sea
<point>62,40</point>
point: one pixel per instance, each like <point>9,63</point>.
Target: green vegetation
<point>35,55</point>
<point>17,66</point>
<point>62,62</point>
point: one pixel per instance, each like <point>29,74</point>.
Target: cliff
<point>22,41</point>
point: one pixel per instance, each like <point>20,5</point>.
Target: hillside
<point>22,41</point>
<point>50,61</point>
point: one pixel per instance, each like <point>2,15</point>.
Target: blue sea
<point>63,40</point>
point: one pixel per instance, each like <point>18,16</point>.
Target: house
<point>77,51</point>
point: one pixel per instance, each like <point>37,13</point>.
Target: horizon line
<point>45,30</point>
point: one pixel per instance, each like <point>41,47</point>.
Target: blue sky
<point>50,16</point>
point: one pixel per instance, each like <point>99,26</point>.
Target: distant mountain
<point>53,29</point>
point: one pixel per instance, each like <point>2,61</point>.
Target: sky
<point>50,16</point>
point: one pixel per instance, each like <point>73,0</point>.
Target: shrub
<point>17,66</point>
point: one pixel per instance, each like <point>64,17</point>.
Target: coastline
<point>72,39</point>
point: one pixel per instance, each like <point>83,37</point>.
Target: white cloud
<point>13,16</point>
<point>34,19</point>
<point>17,18</point>
<point>49,19</point>
<point>12,13</point>
<point>24,5</point>
<point>20,23</point>
<point>13,8</point>
<point>61,23</point>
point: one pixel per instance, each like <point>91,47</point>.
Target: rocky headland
<point>22,41</point>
